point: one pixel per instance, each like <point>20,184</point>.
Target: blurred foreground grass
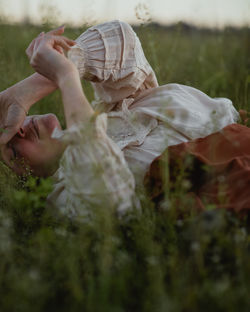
<point>152,262</point>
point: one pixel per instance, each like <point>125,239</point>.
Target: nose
<point>21,133</point>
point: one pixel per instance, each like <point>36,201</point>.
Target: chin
<point>50,122</point>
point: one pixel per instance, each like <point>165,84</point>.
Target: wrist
<point>30,90</point>
<point>67,77</point>
<point>12,95</point>
<point>15,95</point>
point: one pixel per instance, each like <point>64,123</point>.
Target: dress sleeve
<point>165,116</point>
<point>111,57</point>
<point>92,174</point>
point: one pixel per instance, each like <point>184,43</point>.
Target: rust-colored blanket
<point>216,167</point>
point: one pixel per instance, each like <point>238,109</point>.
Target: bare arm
<point>30,90</point>
<point>47,61</point>
<point>93,147</point>
<point>16,100</point>
<point>76,105</point>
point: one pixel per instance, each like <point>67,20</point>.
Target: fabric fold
<point>217,168</point>
<point>111,57</point>
<point>105,158</point>
<point>93,172</point>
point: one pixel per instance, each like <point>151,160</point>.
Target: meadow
<point>155,261</point>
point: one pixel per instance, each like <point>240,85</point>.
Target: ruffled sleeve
<point>92,172</point>
<point>111,57</point>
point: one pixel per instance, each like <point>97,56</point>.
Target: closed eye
<point>13,151</point>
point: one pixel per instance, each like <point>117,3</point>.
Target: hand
<point>12,115</point>
<point>46,55</point>
<point>15,101</point>
<point>35,42</point>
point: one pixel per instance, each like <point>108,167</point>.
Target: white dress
<point>105,160</point>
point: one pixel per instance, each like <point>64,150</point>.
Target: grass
<point>155,261</point>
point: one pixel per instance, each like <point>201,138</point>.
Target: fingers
<point>33,45</point>
<point>62,42</point>
<point>35,42</point>
<point>29,50</point>
<point>69,41</point>
<point>57,32</point>
<point>57,42</point>
<point>59,49</point>
<point>38,40</point>
<point>54,37</point>
<point>11,121</point>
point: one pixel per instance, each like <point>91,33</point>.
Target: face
<point>33,148</point>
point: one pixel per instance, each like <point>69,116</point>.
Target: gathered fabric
<point>111,57</point>
<point>142,120</point>
<point>91,168</point>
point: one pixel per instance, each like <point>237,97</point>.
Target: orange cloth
<point>217,166</point>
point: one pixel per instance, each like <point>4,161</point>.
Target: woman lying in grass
<point>108,146</point>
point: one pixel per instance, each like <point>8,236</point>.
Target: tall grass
<point>154,261</point>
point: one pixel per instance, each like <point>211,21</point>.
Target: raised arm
<point>16,101</point>
<point>76,106</point>
<point>30,90</point>
<point>46,60</point>
<point>93,171</point>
